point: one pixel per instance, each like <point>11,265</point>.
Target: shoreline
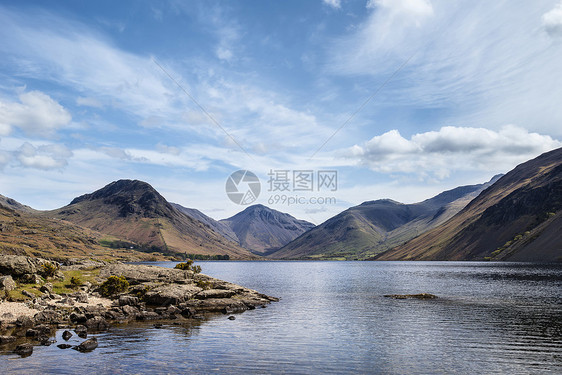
<point>152,294</point>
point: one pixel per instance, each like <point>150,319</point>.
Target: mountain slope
<point>217,226</point>
<point>132,210</point>
<point>262,229</point>
<point>375,226</point>
<point>517,218</point>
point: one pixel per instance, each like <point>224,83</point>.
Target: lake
<point>492,318</point>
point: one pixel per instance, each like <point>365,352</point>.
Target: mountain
<point>518,218</point>
<point>263,230</point>
<point>375,226</point>
<point>134,211</point>
<point>24,233</point>
<point>217,226</point>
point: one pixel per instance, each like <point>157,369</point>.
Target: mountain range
<point>516,216</point>
<point>375,226</point>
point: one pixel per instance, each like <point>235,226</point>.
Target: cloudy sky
<point>403,98</point>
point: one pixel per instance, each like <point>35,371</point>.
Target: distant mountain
<point>375,226</point>
<point>14,205</point>
<point>263,230</point>
<point>518,218</point>
<point>217,226</point>
<point>134,211</point>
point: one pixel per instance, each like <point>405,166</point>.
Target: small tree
<point>188,266</point>
<point>48,270</point>
<point>113,285</point>
<point>75,281</point>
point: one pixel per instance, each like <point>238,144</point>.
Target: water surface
<point>502,318</point>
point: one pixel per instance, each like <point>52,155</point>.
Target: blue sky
<point>433,95</point>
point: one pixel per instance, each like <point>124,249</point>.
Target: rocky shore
<point>148,293</point>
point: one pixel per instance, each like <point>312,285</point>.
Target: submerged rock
<point>87,346</point>
<point>66,335</point>
<point>416,296</point>
<point>24,350</point>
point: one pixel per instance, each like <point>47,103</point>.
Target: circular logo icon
<point>243,187</point>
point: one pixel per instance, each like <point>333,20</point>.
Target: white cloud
<point>336,4</point>
<point>36,113</point>
<point>89,102</point>
<point>419,8</point>
<point>50,156</point>
<point>438,153</point>
<point>165,149</point>
<point>552,21</point>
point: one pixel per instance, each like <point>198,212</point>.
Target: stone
<point>27,294</point>
<point>64,346</point>
<point>78,318</point>
<point>24,350</point>
<point>97,323</point>
<point>47,288</point>
<point>31,333</point>
<point>87,346</point>
<point>215,293</point>
<point>7,339</point>
<point>129,310</point>
<point>19,265</point>
<point>7,283</point>
<point>232,317</point>
<point>81,331</point>
<point>32,278</point>
<point>416,296</point>
<point>66,335</point>
<point>137,274</point>
<point>128,301</point>
<point>25,321</point>
<point>47,316</point>
<point>171,294</point>
<point>80,297</point>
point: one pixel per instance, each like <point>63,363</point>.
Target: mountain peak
<point>132,196</point>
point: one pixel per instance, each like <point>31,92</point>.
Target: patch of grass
<point>206,285</point>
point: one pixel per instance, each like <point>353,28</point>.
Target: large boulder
<point>19,265</point>
<point>136,274</point>
<point>7,283</point>
<point>171,294</point>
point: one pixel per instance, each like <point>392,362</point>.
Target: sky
<point>397,99</point>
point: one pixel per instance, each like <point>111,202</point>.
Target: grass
<point>59,286</point>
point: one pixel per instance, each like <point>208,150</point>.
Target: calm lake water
<point>490,318</point>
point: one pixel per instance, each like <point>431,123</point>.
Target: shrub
<point>113,285</point>
<point>48,270</point>
<point>204,284</point>
<point>75,281</point>
<point>188,266</point>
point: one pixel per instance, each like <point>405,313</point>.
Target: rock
<point>19,265</point>
<point>215,293</point>
<point>232,317</point>
<point>81,331</point>
<point>417,296</point>
<point>78,318</point>
<point>27,294</point>
<point>25,321</point>
<point>129,310</point>
<point>24,350</point>
<point>7,283</point>
<point>225,305</point>
<point>47,288</point>
<point>97,323</point>
<point>147,315</point>
<point>7,339</point>
<point>158,325</point>
<point>66,335</point>
<point>171,294</point>
<point>128,301</point>
<point>46,340</point>
<point>31,333</point>
<point>137,274</point>
<point>47,316</point>
<point>64,346</point>
<point>32,278</point>
<point>80,297</point>
<point>87,346</point>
